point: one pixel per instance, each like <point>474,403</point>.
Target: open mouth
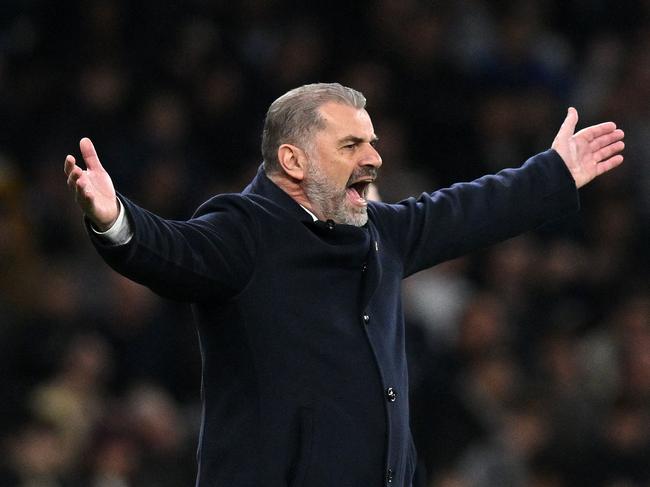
<point>358,191</point>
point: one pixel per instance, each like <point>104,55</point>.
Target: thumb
<point>569,125</point>
<point>89,154</point>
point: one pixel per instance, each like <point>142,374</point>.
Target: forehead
<point>344,120</point>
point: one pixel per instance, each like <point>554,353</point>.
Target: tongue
<point>354,195</point>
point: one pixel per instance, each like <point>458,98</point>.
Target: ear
<point>293,160</point>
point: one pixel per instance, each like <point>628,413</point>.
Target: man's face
<point>342,164</point>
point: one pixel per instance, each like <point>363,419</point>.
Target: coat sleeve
<point>465,217</point>
<point>210,256</point>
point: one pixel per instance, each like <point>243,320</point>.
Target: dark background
<point>530,361</point>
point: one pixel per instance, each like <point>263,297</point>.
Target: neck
<point>295,191</point>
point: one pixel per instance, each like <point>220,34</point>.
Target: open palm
<point>93,187</point>
<point>590,152</point>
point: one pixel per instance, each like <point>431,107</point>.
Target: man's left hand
<point>590,152</point>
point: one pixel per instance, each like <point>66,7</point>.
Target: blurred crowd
<point>529,361</point>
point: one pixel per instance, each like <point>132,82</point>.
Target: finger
<point>607,152</point>
<point>595,131</point>
<point>607,139</point>
<point>609,164</point>
<point>89,154</point>
<point>69,164</point>
<point>568,127</point>
<point>74,176</point>
<point>83,192</point>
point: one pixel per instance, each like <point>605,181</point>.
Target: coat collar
<point>261,185</point>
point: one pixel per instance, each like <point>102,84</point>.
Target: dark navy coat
<point>300,322</point>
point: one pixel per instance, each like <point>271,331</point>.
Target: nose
<point>372,157</point>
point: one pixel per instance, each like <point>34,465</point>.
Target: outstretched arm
<point>590,152</point>
<point>92,187</point>
<point>210,255</point>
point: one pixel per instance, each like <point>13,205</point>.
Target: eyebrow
<point>357,140</point>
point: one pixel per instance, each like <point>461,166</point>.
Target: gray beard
<point>329,201</point>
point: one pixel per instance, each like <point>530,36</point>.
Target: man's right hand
<point>92,187</point>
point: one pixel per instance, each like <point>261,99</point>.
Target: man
<point>295,284</point>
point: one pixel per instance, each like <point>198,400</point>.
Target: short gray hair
<point>294,117</point>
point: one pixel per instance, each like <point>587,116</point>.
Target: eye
<point>350,146</point>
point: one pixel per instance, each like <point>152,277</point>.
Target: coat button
<point>389,476</point>
<point>330,224</point>
<point>366,319</point>
<point>391,394</point>
<point>364,267</point>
